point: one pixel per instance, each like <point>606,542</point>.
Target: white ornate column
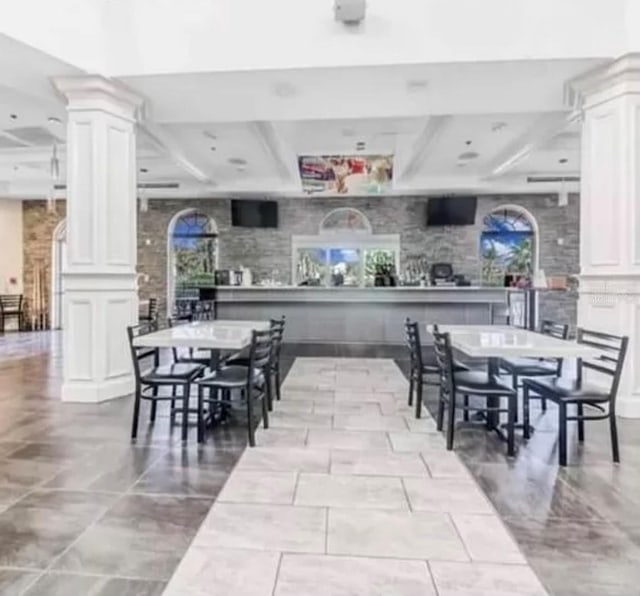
<point>610,212</point>
<point>100,278</point>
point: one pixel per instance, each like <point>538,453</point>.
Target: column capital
<point>606,82</point>
<point>95,92</point>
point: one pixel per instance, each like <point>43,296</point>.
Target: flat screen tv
<point>254,214</point>
<point>451,211</point>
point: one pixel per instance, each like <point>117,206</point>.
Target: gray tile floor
<point>82,510</point>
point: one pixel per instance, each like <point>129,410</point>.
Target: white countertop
<point>204,335</point>
<point>499,341</point>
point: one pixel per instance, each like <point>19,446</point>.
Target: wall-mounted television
<point>254,214</point>
<point>451,211</point>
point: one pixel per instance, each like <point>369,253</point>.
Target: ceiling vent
<point>540,179</point>
<point>33,135</point>
<point>142,185</point>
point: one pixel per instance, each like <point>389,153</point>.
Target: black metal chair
<point>273,374</point>
<point>537,367</point>
<point>423,366</point>
<point>249,380</point>
<point>564,391</point>
<point>469,383</point>
<point>11,307</point>
<point>151,315</point>
<point>150,381</point>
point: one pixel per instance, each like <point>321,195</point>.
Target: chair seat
<point>478,382</point>
<point>432,369</point>
<point>529,367</point>
<point>567,390</point>
<point>231,377</point>
<point>182,371</point>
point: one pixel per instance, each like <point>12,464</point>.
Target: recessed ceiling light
<point>13,116</point>
<point>144,170</point>
<point>415,85</point>
<point>563,160</point>
<point>468,155</point>
<point>54,120</point>
<point>237,161</point>
<point>467,143</point>
<point>212,148</point>
<point>498,126</point>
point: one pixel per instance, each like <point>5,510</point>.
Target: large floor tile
<point>62,584</point>
<point>452,495</point>
<point>347,407</point>
<point>181,480</point>
<point>299,420</point>
<point>259,487</point>
<point>416,442</point>
<point>394,534</point>
<point>285,459</point>
<point>487,540</point>
<point>264,527</point>
<point>482,579</point>
<point>13,581</point>
<point>224,572</point>
<point>377,463</point>
<point>348,439</point>
<point>25,473</point>
<point>445,464</point>
<point>281,437</point>
<point>366,492</point>
<point>313,575</point>
<point>368,422</point>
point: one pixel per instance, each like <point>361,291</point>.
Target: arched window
<point>193,255</point>
<point>508,245</point>
<point>345,219</point>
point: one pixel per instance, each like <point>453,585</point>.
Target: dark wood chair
<point>423,365</point>
<point>250,381</point>
<point>537,367</point>
<point>467,383</point>
<point>149,382</point>
<point>565,392</point>
<point>11,307</point>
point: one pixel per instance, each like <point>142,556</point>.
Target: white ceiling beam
<point>541,132</point>
<point>167,144</point>
<point>284,159</point>
<point>432,131</point>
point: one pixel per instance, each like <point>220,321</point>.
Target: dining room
<point>307,299</point>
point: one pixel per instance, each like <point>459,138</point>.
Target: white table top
<point>500,341</point>
<point>205,335</point>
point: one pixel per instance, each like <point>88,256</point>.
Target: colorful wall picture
<point>346,174</point>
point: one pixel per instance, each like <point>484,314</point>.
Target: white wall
<point>10,245</point>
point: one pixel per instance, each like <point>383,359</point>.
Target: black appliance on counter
<point>441,274</point>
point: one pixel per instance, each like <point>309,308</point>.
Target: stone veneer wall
<point>265,250</point>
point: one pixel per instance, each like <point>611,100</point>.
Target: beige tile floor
<point>347,495</point>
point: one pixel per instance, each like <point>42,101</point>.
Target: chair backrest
<point>412,334</point>
<point>11,302</point>
<point>277,327</point>
<point>444,358</point>
<point>610,362</point>
<point>204,310</point>
<point>139,354</point>
<point>261,349</point>
<point>553,329</point>
<point>153,309</point>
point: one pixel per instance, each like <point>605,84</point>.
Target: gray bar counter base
<point>358,315</point>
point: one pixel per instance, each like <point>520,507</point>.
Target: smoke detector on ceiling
<point>350,12</point>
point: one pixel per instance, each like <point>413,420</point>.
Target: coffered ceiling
<point>482,127</point>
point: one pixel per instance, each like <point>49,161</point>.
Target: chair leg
<point>154,405</point>
<point>418,398</point>
<point>278,396</point>
<point>410,402</point>
<point>543,401</point>
<point>514,384</point>
<point>265,411</point>
<point>615,449</point>
<point>580,423</point>
<point>465,412</point>
<point>562,434</point>
<point>136,415</point>
<point>173,401</point>
<point>440,413</point>
<point>252,436</point>
<point>451,421</point>
<point>200,414</point>
<point>186,389</point>
<point>511,426</point>
<point>525,412</point>
<point>268,389</point>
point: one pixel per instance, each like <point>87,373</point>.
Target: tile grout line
<point>433,579</point>
<point>277,577</point>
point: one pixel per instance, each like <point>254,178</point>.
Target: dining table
<point>493,342</point>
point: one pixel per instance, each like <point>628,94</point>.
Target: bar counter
<point>358,315</point>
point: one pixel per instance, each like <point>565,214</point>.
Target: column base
<point>93,392</point>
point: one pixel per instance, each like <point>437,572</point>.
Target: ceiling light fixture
<point>212,148</point>
<point>13,116</point>
<point>143,170</point>
<point>563,160</point>
<point>237,161</point>
<point>54,120</point>
<point>416,85</point>
<point>467,155</point>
